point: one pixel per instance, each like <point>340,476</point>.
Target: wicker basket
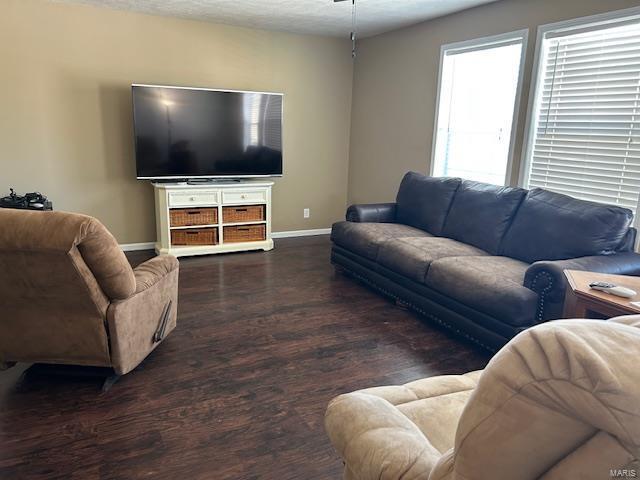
<point>184,217</point>
<point>244,233</point>
<point>248,213</point>
<point>197,236</point>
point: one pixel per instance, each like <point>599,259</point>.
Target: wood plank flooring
<point>239,389</point>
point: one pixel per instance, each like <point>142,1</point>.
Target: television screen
<point>191,132</point>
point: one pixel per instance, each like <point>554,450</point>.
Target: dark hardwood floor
<point>239,389</point>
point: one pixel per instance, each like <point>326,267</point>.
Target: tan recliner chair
<point>69,296</point>
<point>561,401</point>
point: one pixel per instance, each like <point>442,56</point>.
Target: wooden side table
<point>584,302</point>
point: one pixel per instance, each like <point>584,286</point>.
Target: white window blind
<point>586,136</point>
<point>262,114</point>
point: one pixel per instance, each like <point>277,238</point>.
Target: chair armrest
<point>631,320</point>
<point>376,441</point>
<point>139,323</point>
<point>150,272</point>
<point>372,212</point>
<point>547,278</point>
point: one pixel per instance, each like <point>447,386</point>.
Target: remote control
<point>613,289</point>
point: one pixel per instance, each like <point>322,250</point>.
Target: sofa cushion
<point>423,202</point>
<point>411,256</point>
<point>490,284</point>
<point>481,214</point>
<point>552,226</point>
<point>365,238</point>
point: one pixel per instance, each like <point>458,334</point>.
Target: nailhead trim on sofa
<point>542,293</point>
<point>416,308</point>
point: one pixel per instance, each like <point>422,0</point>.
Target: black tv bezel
<point>211,176</point>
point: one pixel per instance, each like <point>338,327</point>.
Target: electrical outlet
<point>306,212</point>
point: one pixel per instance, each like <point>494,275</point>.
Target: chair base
<point>6,365</point>
<point>72,371</point>
<point>109,382</point>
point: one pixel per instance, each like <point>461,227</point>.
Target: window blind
<point>586,141</point>
<point>272,124</point>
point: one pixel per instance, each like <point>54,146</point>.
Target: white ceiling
<point>320,17</point>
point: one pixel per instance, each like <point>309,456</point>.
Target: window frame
<point>482,43</point>
<point>577,25</point>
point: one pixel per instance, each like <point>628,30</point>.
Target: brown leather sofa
<point>560,401</point>
<point>69,295</point>
<point>482,260</point>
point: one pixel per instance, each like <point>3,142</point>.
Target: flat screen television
<point>184,133</point>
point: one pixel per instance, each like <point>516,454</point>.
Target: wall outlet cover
<point>306,212</point>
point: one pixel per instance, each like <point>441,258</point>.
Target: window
<point>479,87</point>
<point>584,135</point>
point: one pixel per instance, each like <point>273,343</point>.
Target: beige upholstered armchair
<point>560,401</point>
<point>69,296</point>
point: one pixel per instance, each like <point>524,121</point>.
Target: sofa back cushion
<point>423,202</point>
<point>552,226</point>
<point>63,232</point>
<point>481,214</point>
<point>53,307</point>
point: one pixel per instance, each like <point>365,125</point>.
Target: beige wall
<point>65,125</point>
<point>395,86</point>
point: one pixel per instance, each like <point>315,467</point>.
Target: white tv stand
<point>188,215</point>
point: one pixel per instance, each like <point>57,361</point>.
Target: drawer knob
<point>193,199</point>
<point>243,196</point>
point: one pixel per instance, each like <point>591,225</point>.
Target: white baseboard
<point>301,233</point>
<point>132,247</point>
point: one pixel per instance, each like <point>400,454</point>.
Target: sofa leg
<point>402,304</point>
<point>6,365</point>
<point>109,382</point>
<point>340,270</point>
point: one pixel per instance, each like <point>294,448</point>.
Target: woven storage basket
<point>198,236</point>
<point>248,213</point>
<point>244,233</point>
<point>183,217</point>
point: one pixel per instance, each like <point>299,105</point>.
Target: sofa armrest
<point>547,278</point>
<point>372,212</point>
<point>376,441</point>
<point>139,323</point>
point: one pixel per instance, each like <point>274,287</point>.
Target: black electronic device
<point>28,201</point>
<point>198,133</point>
